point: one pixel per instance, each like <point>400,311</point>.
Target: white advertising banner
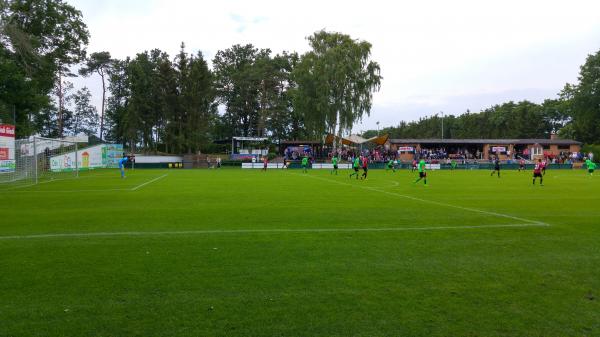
<point>7,148</point>
<point>98,156</point>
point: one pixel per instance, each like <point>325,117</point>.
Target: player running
<point>390,165</point>
<point>496,167</point>
<point>537,172</point>
<point>422,173</point>
<point>365,166</point>
<point>591,166</point>
<point>355,166</point>
<point>334,161</point>
<point>414,165</point>
<point>265,163</point>
<point>305,164</point>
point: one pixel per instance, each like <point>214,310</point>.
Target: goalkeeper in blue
<point>122,163</point>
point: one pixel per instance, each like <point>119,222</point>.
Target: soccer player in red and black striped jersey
<point>537,172</point>
<point>544,163</point>
<point>265,163</point>
<point>365,167</point>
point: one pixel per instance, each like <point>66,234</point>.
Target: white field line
<point>18,187</point>
<point>149,182</point>
<point>39,183</point>
<point>53,180</point>
<point>73,191</point>
<point>252,231</point>
<point>475,210</point>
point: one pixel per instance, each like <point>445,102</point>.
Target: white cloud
<point>433,54</point>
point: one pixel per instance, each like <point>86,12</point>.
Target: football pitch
<point>236,252</point>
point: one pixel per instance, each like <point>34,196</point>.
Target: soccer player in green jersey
<point>305,164</point>
<point>453,165</point>
<point>334,161</point>
<point>356,167</point>
<point>591,166</point>
<point>422,173</point>
<point>390,165</point>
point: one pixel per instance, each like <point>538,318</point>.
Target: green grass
<point>281,253</point>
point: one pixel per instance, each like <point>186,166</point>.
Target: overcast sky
<point>435,56</point>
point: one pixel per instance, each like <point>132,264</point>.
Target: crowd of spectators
<point>442,155</point>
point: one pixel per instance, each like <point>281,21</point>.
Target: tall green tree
<point>117,104</point>
<point>276,115</point>
<point>46,121</point>
<point>99,63</point>
<point>142,117</point>
<point>585,100</point>
<point>40,39</point>
<point>336,81</point>
<point>197,100</point>
<point>159,104</point>
<point>238,87</point>
<point>85,115</point>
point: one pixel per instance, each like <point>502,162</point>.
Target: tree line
<point>523,119</point>
<point>574,114</point>
<point>182,104</point>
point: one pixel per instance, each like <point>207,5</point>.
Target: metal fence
<point>39,159</point>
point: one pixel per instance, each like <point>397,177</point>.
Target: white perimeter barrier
<point>280,165</point>
<point>330,166</point>
<point>141,159</point>
<point>261,165</point>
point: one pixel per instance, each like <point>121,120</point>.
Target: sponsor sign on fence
<point>315,166</point>
<point>99,156</point>
<point>7,148</point>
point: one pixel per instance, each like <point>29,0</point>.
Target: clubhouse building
<point>505,149</point>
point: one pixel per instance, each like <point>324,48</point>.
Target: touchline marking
<point>251,231</point>
<point>434,202</point>
<point>149,182</point>
<point>72,191</point>
<point>39,183</point>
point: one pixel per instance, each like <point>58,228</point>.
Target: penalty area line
<point>258,231</point>
<point>149,182</point>
<point>475,210</point>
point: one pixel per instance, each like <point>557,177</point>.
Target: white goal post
<point>39,159</point>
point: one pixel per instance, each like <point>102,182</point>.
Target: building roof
<point>300,142</point>
<point>356,139</point>
<point>487,141</point>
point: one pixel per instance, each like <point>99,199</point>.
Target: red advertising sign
<point>7,130</point>
<point>3,153</point>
